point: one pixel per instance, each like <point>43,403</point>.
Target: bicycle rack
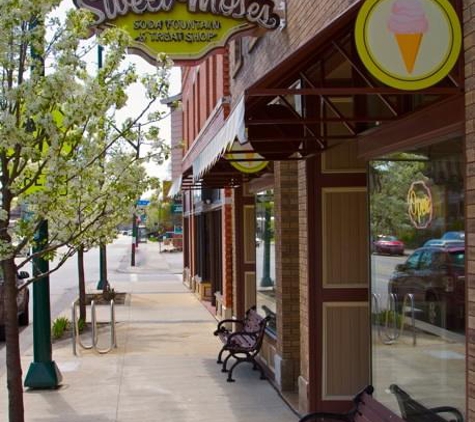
<point>391,331</point>
<point>95,336</point>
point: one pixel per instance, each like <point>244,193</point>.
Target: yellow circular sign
<point>246,166</point>
<point>408,44</point>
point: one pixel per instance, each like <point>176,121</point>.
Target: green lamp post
<point>43,372</point>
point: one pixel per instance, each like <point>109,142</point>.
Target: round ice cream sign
<point>408,44</point>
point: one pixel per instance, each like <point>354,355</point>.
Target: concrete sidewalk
<point>164,368</point>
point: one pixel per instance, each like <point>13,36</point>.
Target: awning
<point>175,187</point>
<point>233,128</point>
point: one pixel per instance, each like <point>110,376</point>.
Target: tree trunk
<point>82,285</point>
<point>14,371</point>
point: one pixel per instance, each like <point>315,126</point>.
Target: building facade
<point>309,229</point>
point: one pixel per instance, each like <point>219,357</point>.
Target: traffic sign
<point>143,202</point>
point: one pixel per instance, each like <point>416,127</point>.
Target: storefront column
<point>469,45</point>
<point>287,358</point>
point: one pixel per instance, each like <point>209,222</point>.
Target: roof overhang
<point>331,99</point>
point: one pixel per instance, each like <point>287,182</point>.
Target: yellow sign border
<point>389,78</point>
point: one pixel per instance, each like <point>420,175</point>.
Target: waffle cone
<point>409,48</point>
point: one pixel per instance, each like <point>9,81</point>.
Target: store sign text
<point>257,12</point>
<point>420,207</point>
<point>185,30</point>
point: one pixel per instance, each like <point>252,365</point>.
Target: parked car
<point>23,300</point>
<point>435,275</point>
<point>454,235</point>
<point>444,242</point>
<point>388,244</point>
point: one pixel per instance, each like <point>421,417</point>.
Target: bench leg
<point>250,359</point>
<point>225,363</point>
<point>220,355</point>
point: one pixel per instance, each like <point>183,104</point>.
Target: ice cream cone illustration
<point>408,23</point>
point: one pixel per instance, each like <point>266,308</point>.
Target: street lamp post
<point>43,372</point>
<point>103,283</point>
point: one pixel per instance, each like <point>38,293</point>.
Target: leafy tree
<point>390,182</point>
<point>52,113</point>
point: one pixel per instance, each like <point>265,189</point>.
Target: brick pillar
<point>287,273</point>
<point>469,45</point>
<point>304,375</point>
<point>227,242</point>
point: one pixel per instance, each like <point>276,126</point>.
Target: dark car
<point>388,245</point>
<point>23,300</point>
<point>435,275</point>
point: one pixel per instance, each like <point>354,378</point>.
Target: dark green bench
<point>413,411</point>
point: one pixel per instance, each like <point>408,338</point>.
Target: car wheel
<point>434,311</point>
<point>2,333</point>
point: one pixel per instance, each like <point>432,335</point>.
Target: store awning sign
<point>186,30</point>
<point>408,44</point>
<point>420,206</point>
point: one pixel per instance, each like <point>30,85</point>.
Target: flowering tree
<point>52,114</point>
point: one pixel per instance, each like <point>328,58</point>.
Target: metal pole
<point>103,283</point>
<point>43,372</point>
<point>134,215</point>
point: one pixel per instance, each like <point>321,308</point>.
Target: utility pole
<point>43,371</point>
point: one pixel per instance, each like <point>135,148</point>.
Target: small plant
<point>60,325</point>
<point>81,325</point>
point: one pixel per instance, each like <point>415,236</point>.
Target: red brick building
<point>345,156</point>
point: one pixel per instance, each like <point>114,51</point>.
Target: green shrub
<point>60,325</point>
<point>81,325</point>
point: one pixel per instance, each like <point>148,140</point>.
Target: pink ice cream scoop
<point>408,23</point>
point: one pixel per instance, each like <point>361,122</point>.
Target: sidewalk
<point>163,368</point>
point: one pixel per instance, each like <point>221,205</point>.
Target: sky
<point>137,97</point>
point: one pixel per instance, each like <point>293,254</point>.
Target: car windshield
<point>388,238</point>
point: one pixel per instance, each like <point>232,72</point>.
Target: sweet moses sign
<point>186,30</point>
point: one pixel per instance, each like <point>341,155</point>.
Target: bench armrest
<point>221,323</point>
<point>448,409</point>
<point>326,416</point>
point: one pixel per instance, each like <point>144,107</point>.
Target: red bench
<point>243,343</point>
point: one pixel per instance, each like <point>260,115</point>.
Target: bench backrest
<point>413,411</point>
<point>255,323</point>
<point>370,410</point>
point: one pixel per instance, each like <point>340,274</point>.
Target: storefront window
<point>418,278</point>
<point>265,256</point>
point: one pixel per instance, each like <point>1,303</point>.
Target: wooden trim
<point>249,229</point>
<point>435,123</point>
<point>325,192</point>
<point>325,333</point>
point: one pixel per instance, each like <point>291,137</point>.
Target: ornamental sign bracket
<point>187,31</point>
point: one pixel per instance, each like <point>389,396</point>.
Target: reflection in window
<point>418,299</point>
<point>265,256</point>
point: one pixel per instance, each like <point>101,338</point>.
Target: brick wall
<point>227,219</point>
<point>303,278</point>
<point>469,45</point>
<point>176,139</point>
<point>287,271</point>
<point>202,87</point>
<point>305,18</point>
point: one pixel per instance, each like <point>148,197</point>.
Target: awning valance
<point>233,128</point>
<point>175,187</point>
